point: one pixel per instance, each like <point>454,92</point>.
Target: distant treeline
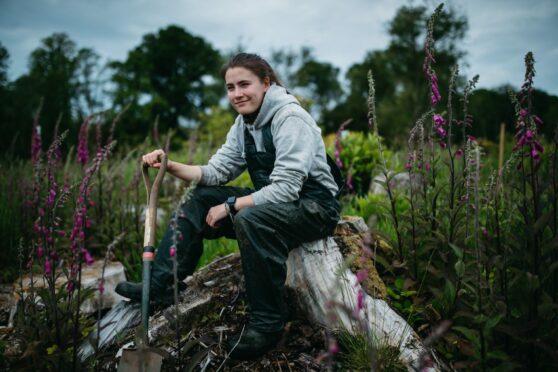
<point>172,77</point>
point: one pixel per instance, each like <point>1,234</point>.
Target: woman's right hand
<point>153,159</point>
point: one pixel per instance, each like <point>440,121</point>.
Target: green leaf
<point>503,367</point>
<point>470,334</point>
<point>533,282</point>
<point>460,268</point>
<point>399,283</point>
<point>457,250</point>
<point>543,221</point>
<point>550,245</point>
<point>393,294</point>
<point>450,292</point>
<point>492,322</point>
<point>53,349</point>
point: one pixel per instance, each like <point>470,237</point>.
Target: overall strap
<point>268,139</point>
<point>334,169</point>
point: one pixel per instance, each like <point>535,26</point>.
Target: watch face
<point>231,201</point>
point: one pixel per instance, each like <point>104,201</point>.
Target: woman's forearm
<point>190,173</point>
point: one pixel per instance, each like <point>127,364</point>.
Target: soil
<point>203,332</point>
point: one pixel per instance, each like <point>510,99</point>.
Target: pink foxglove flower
<point>529,135</point>
<point>439,120</point>
<point>535,155</point>
<point>40,251</point>
<point>360,300</point>
<point>87,257</point>
<point>361,275</point>
<point>48,267</point>
<point>82,150</point>
<point>333,348</point>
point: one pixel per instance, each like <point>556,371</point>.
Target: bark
<point>328,288</point>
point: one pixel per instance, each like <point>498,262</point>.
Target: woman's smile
<point>245,90</point>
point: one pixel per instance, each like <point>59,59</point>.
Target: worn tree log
<point>325,287</point>
<point>208,287</point>
<point>328,288</point>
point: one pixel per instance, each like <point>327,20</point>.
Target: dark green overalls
<point>265,234</point>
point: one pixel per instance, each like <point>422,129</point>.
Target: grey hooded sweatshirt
<point>300,150</point>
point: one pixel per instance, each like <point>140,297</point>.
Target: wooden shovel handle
<point>152,195</point>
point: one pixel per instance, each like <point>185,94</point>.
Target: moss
<point>351,245</point>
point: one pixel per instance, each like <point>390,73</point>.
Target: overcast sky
<point>341,32</point>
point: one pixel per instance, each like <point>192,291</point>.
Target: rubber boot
<point>252,344</point>
<point>133,291</point>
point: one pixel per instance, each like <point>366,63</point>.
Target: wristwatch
<point>231,200</point>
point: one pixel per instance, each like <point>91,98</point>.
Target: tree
<point>401,89</point>
<point>60,74</point>
<point>171,74</point>
<point>4,58</point>
<point>317,82</point>
<point>320,78</point>
<point>5,99</point>
<point>490,108</point>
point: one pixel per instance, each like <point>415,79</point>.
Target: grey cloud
<point>500,32</point>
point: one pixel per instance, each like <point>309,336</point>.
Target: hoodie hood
<point>275,98</point>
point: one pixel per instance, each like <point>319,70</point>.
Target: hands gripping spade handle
<point>149,237</point>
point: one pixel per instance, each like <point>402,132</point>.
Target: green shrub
<point>360,157</point>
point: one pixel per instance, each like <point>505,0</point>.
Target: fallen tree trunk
<point>324,286</point>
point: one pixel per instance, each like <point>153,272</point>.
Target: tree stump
<point>327,287</point>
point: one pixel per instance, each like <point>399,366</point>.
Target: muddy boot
<point>133,291</point>
<point>129,290</point>
<point>252,344</point>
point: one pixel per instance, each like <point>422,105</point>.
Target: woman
<point>294,200</point>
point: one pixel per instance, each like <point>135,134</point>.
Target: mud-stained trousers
<point>265,234</point>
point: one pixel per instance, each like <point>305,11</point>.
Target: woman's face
<point>245,90</point>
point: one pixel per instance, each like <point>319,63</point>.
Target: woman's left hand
<point>216,214</point>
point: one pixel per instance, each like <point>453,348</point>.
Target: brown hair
<point>254,63</point>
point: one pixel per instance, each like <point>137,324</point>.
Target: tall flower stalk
<point>83,145</point>
<point>467,121</point>
<point>414,166</point>
<point>46,226</point>
<point>554,176</point>
<point>36,142</point>
<point>474,165</point>
<point>529,150</point>
<point>373,126</point>
<point>78,236</point>
<point>435,97</point>
<point>338,146</point>
<point>176,237</point>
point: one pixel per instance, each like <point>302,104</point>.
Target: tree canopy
<point>60,76</point>
<point>401,87</point>
<point>170,74</point>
